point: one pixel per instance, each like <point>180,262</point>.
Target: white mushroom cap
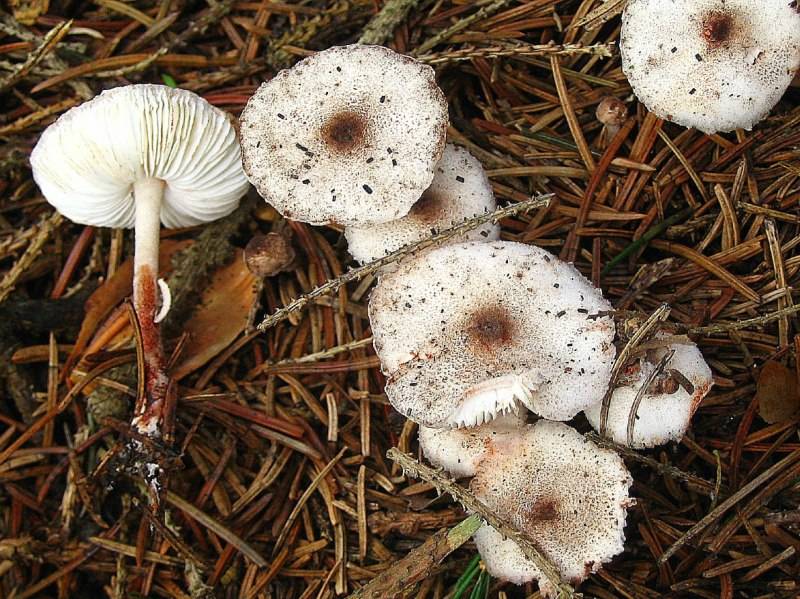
<point>667,407</point>
<point>716,65</point>
<point>465,331</point>
<point>460,450</point>
<point>460,190</point>
<point>88,161</point>
<point>349,135</point>
<point>566,493</point>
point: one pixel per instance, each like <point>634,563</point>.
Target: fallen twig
<point>417,564</point>
<point>360,272</point>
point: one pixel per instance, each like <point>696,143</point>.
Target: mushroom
<point>716,65</point>
<point>566,493</point>
<point>269,254</point>
<point>137,156</point>
<point>461,450</point>
<point>611,112</point>
<point>350,135</point>
<point>460,190</point>
<point>667,405</point>
<point>468,331</point>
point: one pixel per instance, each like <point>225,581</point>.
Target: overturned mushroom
<point>567,494</point>
<point>460,190</point>
<point>665,408</point>
<point>139,156</point>
<point>461,450</point>
<point>350,135</point>
<point>716,65</point>
<point>467,331</point>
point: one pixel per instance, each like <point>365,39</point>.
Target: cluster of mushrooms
<point>473,336</point>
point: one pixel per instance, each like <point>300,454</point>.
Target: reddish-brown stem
<point>149,408</point>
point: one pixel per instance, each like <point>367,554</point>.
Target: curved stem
<point>148,194</point>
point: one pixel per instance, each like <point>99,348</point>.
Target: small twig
<point>698,484</point>
<point>460,25</point>
<point>727,327</point>
<point>642,391</point>
<point>298,506</point>
<point>648,236</point>
<point>214,14</point>
<point>49,42</point>
<point>360,272</point>
<point>277,54</point>
<point>417,564</point>
<point>515,51</point>
<point>622,359</point>
<point>721,328</point>
<point>415,469</point>
<point>600,15</point>
<point>381,27</point>
<point>731,501</point>
<point>46,228</point>
<point>220,530</point>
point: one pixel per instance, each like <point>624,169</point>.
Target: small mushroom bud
<point>612,112</point>
<point>267,255</point>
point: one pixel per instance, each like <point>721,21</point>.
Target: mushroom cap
<point>716,65</point>
<point>350,135</point>
<point>667,407</point>
<point>87,161</point>
<point>460,450</point>
<point>460,190</point>
<point>466,331</point>
<point>563,491</point>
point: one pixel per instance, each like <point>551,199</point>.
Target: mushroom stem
<point>149,194</point>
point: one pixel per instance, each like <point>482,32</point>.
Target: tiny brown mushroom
<point>270,254</point>
<point>611,112</point>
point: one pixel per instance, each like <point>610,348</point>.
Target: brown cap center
<point>344,131</point>
<point>544,509</point>
<point>428,208</point>
<point>490,329</point>
<point>717,28</point>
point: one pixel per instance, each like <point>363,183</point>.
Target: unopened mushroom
<point>350,135</point>
<point>460,450</point>
<point>716,65</point>
<point>666,407</point>
<point>138,156</point>
<point>564,492</point>
<point>611,112</point>
<point>269,254</point>
<point>460,190</point>
<point>470,330</point>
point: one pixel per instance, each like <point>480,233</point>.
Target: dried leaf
<point>778,400</point>
<point>221,316</point>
